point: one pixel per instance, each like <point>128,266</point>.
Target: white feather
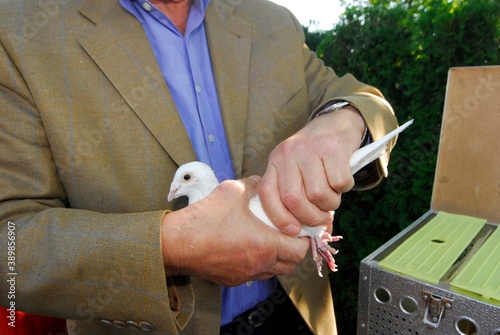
<point>367,154</point>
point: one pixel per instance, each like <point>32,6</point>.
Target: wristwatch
<point>339,105</point>
<point>333,107</point>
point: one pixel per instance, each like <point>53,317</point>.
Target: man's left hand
<point>308,172</point>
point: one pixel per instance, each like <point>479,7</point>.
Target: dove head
<point>194,180</point>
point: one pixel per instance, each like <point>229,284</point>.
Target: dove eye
<point>187,176</point>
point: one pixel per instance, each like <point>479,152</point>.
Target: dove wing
<point>258,211</point>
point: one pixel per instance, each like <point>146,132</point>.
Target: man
<point>101,101</point>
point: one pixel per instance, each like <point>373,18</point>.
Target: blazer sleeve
<point>71,263</point>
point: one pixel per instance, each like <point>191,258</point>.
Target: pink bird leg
<point>322,250</point>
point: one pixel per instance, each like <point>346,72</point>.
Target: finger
<point>339,175</point>
<point>292,249</point>
<point>279,269</point>
<point>250,185</point>
<point>255,178</point>
<point>317,187</point>
<point>269,194</point>
<point>329,226</point>
<point>294,198</point>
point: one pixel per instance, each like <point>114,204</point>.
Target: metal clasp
<point>435,309</point>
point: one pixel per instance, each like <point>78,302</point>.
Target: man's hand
<point>308,172</point>
<point>220,240</point>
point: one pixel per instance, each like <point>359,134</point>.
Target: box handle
<point>435,309</point>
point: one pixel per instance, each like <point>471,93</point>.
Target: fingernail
<point>291,229</point>
<point>255,178</point>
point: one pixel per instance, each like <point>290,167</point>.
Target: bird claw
<point>322,250</point>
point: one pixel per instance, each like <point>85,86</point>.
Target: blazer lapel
<point>229,40</point>
<point>120,48</point>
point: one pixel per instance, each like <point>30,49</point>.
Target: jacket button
<point>146,326</point>
<point>119,324</point>
<point>106,321</point>
<point>133,325</point>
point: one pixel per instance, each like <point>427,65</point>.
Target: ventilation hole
<point>466,327</point>
<point>382,295</point>
<point>438,241</point>
<point>408,305</point>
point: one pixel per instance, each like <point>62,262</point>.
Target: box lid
<point>467,178</point>
<point>481,275</point>
<point>432,250</point>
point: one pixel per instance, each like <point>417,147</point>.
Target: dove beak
<point>173,190</point>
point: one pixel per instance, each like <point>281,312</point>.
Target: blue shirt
<point>186,66</point>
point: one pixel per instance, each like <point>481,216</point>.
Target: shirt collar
<point>144,7</point>
<point>200,5</point>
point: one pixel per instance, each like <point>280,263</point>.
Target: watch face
<point>333,107</point>
<point>339,105</point>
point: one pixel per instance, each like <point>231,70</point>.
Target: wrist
<point>357,120</point>
<point>172,241</point>
<point>355,115</point>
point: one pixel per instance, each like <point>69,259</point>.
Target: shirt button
<point>198,89</point>
<point>249,283</point>
<point>211,138</point>
<point>146,6</point>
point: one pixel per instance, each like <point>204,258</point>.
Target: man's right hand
<point>220,240</point>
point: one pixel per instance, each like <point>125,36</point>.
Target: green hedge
<point>404,48</point>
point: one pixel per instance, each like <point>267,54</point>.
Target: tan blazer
<point>90,139</point>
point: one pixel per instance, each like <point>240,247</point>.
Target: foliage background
<point>405,48</point>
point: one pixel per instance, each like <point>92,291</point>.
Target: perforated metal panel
<point>384,321</point>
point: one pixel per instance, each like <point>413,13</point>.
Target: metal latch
<point>435,309</point>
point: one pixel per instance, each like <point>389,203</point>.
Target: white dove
<point>196,180</point>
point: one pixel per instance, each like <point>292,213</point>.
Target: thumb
<point>250,184</point>
<point>256,179</point>
<point>292,249</point>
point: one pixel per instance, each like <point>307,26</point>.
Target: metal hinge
<point>435,309</point>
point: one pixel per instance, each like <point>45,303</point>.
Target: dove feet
<point>322,250</point>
